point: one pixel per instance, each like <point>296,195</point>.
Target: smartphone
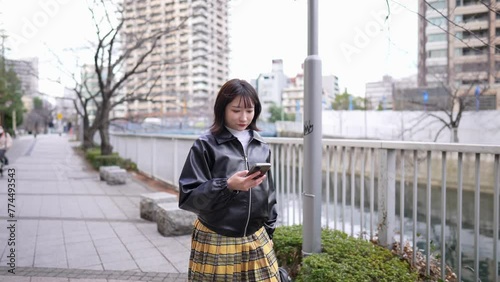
<point>262,167</point>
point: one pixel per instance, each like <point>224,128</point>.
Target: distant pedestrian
<point>232,237</point>
<point>5,144</point>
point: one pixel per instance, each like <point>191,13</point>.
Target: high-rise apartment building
<point>27,73</point>
<point>459,46</point>
<point>191,59</point>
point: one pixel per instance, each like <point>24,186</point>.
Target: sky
<point>356,42</point>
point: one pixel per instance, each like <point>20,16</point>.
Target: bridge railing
<point>442,199</point>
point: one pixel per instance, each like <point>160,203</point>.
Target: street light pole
<point>312,138</point>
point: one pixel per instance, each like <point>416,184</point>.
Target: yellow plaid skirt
<point>219,258</point>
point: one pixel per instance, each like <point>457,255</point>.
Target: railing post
<point>177,170</point>
<point>387,197</point>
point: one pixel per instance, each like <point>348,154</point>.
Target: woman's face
<point>237,116</point>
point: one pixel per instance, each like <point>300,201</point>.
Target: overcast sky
<point>356,43</point>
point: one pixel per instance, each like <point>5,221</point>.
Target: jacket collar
<point>226,136</point>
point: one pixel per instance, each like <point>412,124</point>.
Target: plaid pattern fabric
<point>219,258</point>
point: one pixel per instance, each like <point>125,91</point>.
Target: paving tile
<point>121,265</point>
<point>111,249</point>
<point>13,278</point>
<point>83,238</point>
<point>162,266</point>
<point>105,242</point>
<point>82,261</point>
<point>83,248</point>
<point>91,267</point>
<point>145,253</point>
<point>140,244</point>
<point>81,229</point>
<point>49,279</point>
<point>87,280</point>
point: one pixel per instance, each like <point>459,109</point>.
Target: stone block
<point>104,170</point>
<point>116,177</point>
<point>172,221</point>
<point>150,201</point>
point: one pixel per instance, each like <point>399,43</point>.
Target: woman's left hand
<point>241,182</point>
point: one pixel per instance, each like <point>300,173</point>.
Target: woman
<point>5,144</point>
<point>231,239</point>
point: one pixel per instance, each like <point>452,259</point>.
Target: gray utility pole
<point>312,137</point>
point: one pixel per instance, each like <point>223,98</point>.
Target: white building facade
<point>191,59</point>
<point>293,94</point>
<point>270,87</point>
<point>27,73</point>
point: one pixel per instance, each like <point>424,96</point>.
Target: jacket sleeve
<point>198,191</point>
<point>270,224</point>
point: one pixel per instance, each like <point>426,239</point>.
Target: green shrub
<point>343,258</point>
<point>127,164</point>
<point>108,160</point>
<point>288,247</point>
<point>93,155</point>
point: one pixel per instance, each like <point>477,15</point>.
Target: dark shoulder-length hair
<point>228,92</point>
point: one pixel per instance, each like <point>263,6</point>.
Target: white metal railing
<point>441,198</point>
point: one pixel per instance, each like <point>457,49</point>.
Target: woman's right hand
<point>241,182</point>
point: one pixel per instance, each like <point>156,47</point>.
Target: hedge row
<point>343,258</point>
<point>93,155</point>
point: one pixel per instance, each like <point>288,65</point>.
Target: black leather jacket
<point>203,186</point>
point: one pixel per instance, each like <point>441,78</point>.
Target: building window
<point>436,37</point>
<point>441,4</point>
<point>475,17</point>
<point>474,51</point>
<point>471,67</point>
<point>437,69</point>
<point>475,34</point>
<point>472,81</point>
<point>436,53</point>
<point>470,2</point>
<point>439,21</point>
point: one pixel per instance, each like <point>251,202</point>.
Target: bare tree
<point>442,105</point>
<point>448,110</point>
<point>84,98</point>
<point>111,69</point>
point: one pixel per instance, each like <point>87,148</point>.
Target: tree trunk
<point>106,148</point>
<point>88,134</point>
<point>454,135</point>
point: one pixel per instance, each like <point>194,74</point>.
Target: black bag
<point>284,277</point>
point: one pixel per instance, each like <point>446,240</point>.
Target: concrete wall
<point>481,127</point>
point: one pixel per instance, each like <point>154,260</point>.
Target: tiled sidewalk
<point>71,226</point>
